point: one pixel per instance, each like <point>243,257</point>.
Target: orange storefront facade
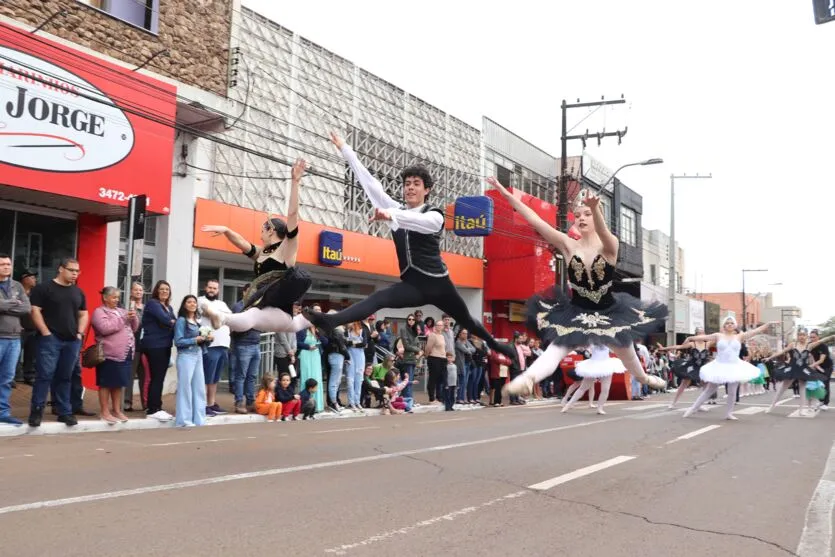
<point>367,261</point>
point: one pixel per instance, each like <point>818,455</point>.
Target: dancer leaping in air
<point>593,315</point>
<point>416,227</point>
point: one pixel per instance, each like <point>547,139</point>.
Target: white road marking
<point>15,456</point>
<point>444,421</point>
<point>565,478</point>
<point>345,548</point>
<point>288,470</point>
<point>645,407</point>
<point>693,434</point>
<point>751,410</point>
<point>192,442</point>
<point>345,429</point>
<point>816,539</point>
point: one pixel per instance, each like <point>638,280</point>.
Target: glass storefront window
<point>36,242</point>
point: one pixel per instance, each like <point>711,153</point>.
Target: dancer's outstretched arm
<point>291,243</point>
<point>823,340</point>
<point>684,346</point>
<point>761,329</point>
<point>551,235</point>
<point>237,240</point>
<point>610,241</point>
<point>387,209</point>
<point>700,338</point>
<point>781,353</point>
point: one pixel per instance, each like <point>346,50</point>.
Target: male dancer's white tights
<point>268,319</point>
<point>708,391</point>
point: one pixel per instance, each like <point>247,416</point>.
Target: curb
<point>97,426</point>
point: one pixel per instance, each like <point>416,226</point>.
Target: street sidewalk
<point>23,393</point>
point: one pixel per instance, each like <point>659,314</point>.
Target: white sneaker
<point>823,407</point>
<point>162,416</point>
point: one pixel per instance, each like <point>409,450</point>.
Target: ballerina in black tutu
<point>268,301</point>
<point>687,368</point>
<point>799,367</point>
<point>593,315</point>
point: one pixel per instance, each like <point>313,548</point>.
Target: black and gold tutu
<point>278,289</point>
<point>688,367</point>
<point>797,368</point>
<point>592,314</point>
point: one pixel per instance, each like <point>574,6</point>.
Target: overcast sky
<point>712,87</point>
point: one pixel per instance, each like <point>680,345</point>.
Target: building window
<point>653,274</point>
<point>140,13</point>
<point>146,277</point>
<point>150,231</point>
<point>627,226</point>
<point>606,207</point>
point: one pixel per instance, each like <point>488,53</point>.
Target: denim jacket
<point>185,336</point>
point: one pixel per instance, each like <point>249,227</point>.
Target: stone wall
<point>195,32</point>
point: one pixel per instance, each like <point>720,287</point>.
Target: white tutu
<point>599,365</point>
<point>738,371</point>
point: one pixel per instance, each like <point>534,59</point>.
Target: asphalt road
<point>513,481</point>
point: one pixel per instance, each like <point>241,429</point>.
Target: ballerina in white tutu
<point>727,368</point>
<point>600,367</point>
<point>593,314</point>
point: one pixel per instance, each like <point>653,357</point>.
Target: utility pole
<point>562,191</point>
<point>671,334</point>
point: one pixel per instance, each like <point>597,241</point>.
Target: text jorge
<point>57,113</point>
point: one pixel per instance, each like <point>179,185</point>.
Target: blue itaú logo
<point>330,248</point>
<point>473,216</point>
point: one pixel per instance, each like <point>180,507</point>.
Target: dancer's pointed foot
<point>671,407</point>
<point>564,409</point>
<point>655,382</point>
<point>601,412</point>
<point>319,320</point>
<point>688,413</point>
<point>521,386</point>
<point>731,417</point>
<point>215,318</point>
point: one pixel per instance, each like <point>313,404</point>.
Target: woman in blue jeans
<point>411,352</point>
<point>357,340</point>
<point>191,385</point>
<point>337,350</point>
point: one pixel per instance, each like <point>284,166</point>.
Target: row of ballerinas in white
<point>795,363</point>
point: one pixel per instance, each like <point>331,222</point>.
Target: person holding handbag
<point>115,343</point>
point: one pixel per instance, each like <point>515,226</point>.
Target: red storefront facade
<point>519,264</point>
<point>79,136</point>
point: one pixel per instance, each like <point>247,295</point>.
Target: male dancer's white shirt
<point>413,219</point>
<point>222,336</point>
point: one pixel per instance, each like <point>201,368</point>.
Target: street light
<point>671,335</point>
<point>744,301</point>
<point>639,163</point>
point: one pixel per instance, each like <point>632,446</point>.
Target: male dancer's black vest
<point>421,252</point>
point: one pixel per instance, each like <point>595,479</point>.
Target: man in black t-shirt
<point>59,312</point>
<point>822,358</point>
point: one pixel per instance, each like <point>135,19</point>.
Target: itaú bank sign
<point>78,126</point>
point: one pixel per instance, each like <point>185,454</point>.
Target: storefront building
<point>82,131</point>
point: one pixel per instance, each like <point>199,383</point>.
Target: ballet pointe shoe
<point>521,386</point>
<point>215,318</point>
<point>655,382</point>
<point>731,417</point>
<point>600,412</point>
<point>688,413</point>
